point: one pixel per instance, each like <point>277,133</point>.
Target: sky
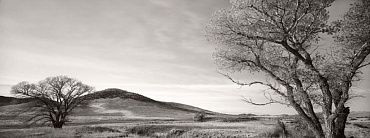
<point>156,48</point>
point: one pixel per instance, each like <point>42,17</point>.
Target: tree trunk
<point>58,125</point>
<point>329,127</point>
<point>329,132</point>
<point>340,122</point>
<point>318,132</point>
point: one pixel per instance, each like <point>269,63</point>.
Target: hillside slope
<point>128,105</point>
<point>12,100</point>
<point>119,104</point>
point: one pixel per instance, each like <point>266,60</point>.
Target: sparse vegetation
<point>238,119</point>
<point>89,129</point>
<point>158,130</point>
<point>175,133</point>
<point>143,130</point>
<point>172,129</point>
<point>200,117</point>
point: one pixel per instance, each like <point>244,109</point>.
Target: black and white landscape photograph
<point>184,69</point>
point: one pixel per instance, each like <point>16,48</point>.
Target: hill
<point>6,100</point>
<point>12,100</point>
<point>117,104</point>
<point>117,93</point>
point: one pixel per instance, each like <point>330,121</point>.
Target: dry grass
<point>165,129</point>
<point>200,129</point>
<point>160,129</point>
<point>67,132</point>
<point>119,126</point>
<point>40,132</point>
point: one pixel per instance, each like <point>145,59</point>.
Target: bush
<point>99,129</point>
<point>199,117</point>
<point>142,130</point>
<point>175,133</point>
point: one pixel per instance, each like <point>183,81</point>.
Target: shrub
<point>149,130</point>
<point>142,130</point>
<point>98,129</point>
<point>175,133</point>
<point>200,117</point>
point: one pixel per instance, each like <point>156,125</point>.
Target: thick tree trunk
<point>329,126</point>
<point>340,123</point>
<point>334,127</point>
<point>58,125</point>
<point>318,133</point>
<point>329,132</point>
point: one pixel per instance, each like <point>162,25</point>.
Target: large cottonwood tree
<point>280,38</point>
<point>56,98</point>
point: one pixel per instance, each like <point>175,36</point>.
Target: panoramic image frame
<point>185,68</point>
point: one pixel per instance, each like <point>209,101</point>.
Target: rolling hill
<point>12,100</point>
<point>116,104</point>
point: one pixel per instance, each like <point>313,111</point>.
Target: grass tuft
<point>97,129</point>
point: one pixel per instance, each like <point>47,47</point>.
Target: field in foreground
<point>150,129</point>
<point>173,129</point>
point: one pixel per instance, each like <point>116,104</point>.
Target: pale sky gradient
<point>155,48</point>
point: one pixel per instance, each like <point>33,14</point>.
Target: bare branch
<point>239,83</point>
<point>364,65</point>
<point>58,95</point>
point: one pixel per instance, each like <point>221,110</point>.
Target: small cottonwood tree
<point>280,39</point>
<point>56,98</point>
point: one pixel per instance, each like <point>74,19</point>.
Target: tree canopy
<point>56,96</point>
<point>280,39</point>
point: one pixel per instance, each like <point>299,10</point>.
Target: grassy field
<point>163,129</point>
<point>171,129</point>
<point>214,127</point>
